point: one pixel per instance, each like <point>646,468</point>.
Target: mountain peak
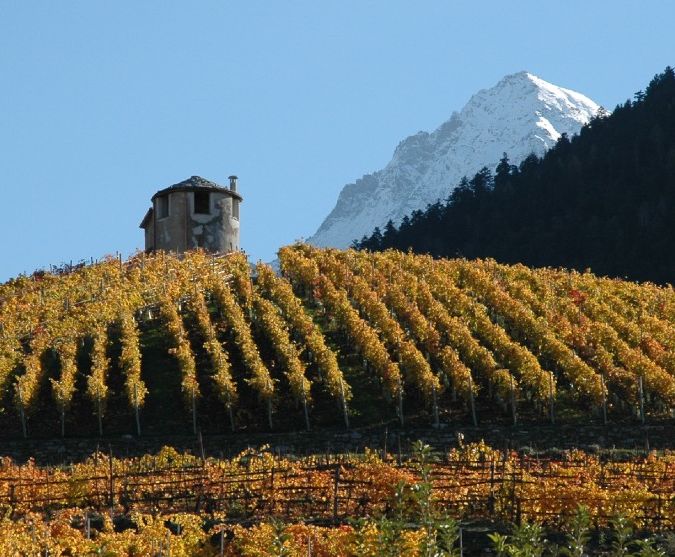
<point>520,115</point>
<point>518,79</point>
<point>522,74</point>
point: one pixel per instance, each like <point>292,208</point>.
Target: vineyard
<point>222,506</point>
<point>341,337</point>
<point>337,341</point>
<point>472,483</point>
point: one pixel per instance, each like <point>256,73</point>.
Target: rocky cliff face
<point>522,114</point>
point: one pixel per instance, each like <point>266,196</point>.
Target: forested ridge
<point>604,200</point>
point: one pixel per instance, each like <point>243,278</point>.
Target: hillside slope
<point>161,345</point>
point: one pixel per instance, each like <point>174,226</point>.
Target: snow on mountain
<point>522,114</point>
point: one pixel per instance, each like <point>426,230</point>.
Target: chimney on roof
<point>233,183</point>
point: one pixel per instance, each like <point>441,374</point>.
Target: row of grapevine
<point>64,387</point>
<point>400,298</point>
<point>130,363</point>
<point>182,351</point>
<point>305,272</point>
<point>97,387</point>
<point>515,357</point>
<point>285,350</point>
<point>376,312</point>
<point>259,378</point>
<point>609,343</point>
<point>222,376</point>
<point>281,293</point>
<point>536,334</point>
<point>473,482</point>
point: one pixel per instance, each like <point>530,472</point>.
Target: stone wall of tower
<point>150,235</point>
<point>183,229</point>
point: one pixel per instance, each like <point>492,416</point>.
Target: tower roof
<point>196,183</point>
<point>146,218</point>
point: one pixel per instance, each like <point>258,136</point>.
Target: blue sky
<point>103,103</point>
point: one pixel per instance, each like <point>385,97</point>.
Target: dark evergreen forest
<point>604,200</point>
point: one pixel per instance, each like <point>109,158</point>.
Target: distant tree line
<point>604,199</point>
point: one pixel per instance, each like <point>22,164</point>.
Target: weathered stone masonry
<point>194,213</point>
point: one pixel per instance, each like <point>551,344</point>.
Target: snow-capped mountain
<point>522,114</point>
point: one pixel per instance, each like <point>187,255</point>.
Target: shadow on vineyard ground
<point>615,439</point>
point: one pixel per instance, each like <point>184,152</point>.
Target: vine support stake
<point>22,412</point>
<point>344,403</point>
<point>400,406</point>
<point>604,399</point>
<point>304,406</point>
<point>100,420</point>
<point>642,400</point>
<point>23,421</point>
<point>550,397</point>
<point>336,482</point>
<point>111,486</point>
<point>201,447</point>
<point>138,419</point>
<point>472,403</point>
<point>513,402</point>
<point>194,413</point>
<point>229,411</point>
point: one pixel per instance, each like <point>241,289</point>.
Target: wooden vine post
<point>138,419</point>
<point>472,403</point>
<point>604,399</point>
<point>513,402</point>
<point>100,419</point>
<point>345,411</point>
<point>194,412</point>
<point>435,407</point>
<point>642,400</point>
<point>111,486</point>
<point>304,406</point>
<point>400,406</point>
<point>551,398</point>
<point>336,482</point>
<point>22,412</point>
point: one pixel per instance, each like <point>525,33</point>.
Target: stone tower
<point>194,213</point>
